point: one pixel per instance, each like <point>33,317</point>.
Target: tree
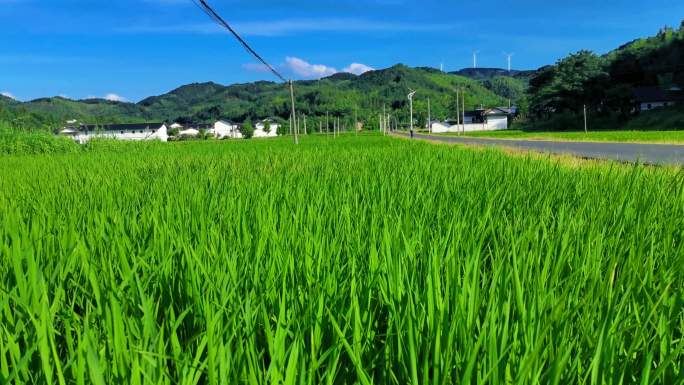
<point>577,80</point>
<point>282,130</point>
<point>267,126</point>
<point>247,130</point>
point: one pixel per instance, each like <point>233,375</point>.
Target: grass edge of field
<point>559,137</point>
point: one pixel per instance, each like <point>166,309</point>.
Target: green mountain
<point>97,110</point>
<point>7,101</point>
<point>607,85</point>
<point>652,61</point>
<point>489,73</point>
<point>340,95</point>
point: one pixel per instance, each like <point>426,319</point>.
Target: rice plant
<point>357,260</point>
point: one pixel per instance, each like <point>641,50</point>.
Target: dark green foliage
<point>17,143</point>
<point>573,82</point>
<point>247,130</point>
<point>490,73</point>
<point>605,84</point>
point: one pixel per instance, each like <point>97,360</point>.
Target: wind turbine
<point>475,52</point>
<point>410,98</point>
<point>508,57</point>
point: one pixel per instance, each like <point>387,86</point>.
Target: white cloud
<point>357,68</point>
<point>307,70</point>
<point>8,94</point>
<point>303,69</point>
<point>115,98</point>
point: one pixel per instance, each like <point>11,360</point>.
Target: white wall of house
<point>145,134</point>
<point>494,123</point>
<point>646,106</point>
<point>260,133</point>
<point>189,132</point>
<point>224,129</point>
<point>497,122</point>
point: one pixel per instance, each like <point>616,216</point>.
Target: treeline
<point>605,84</point>
<point>342,97</point>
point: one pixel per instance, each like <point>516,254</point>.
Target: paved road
<point>623,152</point>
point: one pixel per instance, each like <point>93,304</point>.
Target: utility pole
<point>384,119</point>
<point>410,98</point>
<point>356,122</point>
<point>585,119</point>
<point>294,114</point>
<point>429,118</point>
<point>463,109</point>
<point>327,124</point>
<point>458,109</point>
<point>305,132</point>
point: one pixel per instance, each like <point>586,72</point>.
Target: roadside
<point>647,153</point>
<point>616,136</point>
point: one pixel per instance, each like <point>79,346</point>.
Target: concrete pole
<point>384,120</point>
<point>458,108</point>
<point>294,113</point>
<point>463,109</point>
<point>356,122</point>
<point>429,118</point>
<point>411,103</point>
<point>585,119</point>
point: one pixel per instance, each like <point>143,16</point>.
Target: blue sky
<point>130,49</point>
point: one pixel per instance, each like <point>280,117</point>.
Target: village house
<point>649,98</point>
<point>137,131</point>
<point>193,130</point>
<point>492,119</point>
<point>260,128</point>
<point>226,129</point>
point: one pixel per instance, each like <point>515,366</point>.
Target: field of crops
<point>363,260</point>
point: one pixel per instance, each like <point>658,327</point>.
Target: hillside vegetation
<point>341,95</point>
<point>605,84</point>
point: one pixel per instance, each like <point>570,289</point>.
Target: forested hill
<point>489,73</point>
<point>606,84</point>
<point>338,95</point>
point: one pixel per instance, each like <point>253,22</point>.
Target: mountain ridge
<point>339,95</point>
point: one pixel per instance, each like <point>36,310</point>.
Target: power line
<point>206,8</point>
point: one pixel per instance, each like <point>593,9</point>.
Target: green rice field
<point>356,260</point>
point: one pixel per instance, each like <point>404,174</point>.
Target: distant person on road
<point>411,131</point>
